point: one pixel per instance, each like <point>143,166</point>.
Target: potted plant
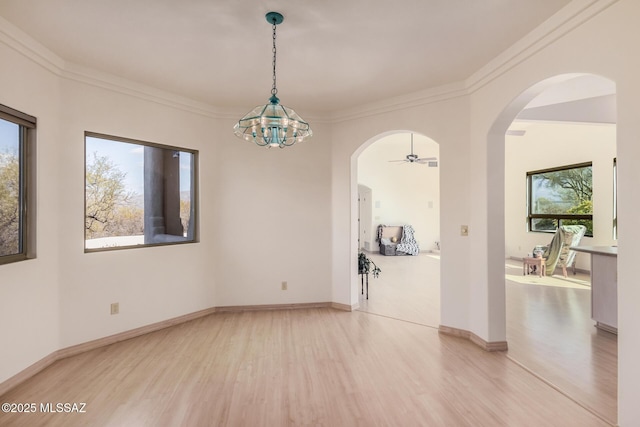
<point>366,265</point>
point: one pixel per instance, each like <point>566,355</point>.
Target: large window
<point>17,185</point>
<point>560,196</point>
<point>138,193</point>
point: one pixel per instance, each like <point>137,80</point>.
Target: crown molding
<point>558,25</point>
<point>563,22</point>
<point>415,99</point>
<point>114,83</point>
<point>22,43</point>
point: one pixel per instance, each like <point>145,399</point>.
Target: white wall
<point>273,220</point>
<point>29,294</point>
<point>151,284</point>
<point>439,121</point>
<point>602,42</point>
<point>264,218</point>
<point>247,192</point>
<point>403,193</point>
<point>554,144</point>
<point>598,40</point>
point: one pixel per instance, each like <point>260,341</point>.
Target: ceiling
<point>332,54</point>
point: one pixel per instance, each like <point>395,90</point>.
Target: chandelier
<point>273,124</point>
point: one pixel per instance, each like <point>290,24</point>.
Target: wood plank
<point>295,367</point>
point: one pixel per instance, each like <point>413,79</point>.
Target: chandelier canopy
<point>273,124</point>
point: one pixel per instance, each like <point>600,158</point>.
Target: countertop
<point>598,250</point>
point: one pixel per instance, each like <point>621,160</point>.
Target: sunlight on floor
<point>556,280</point>
<point>513,273</point>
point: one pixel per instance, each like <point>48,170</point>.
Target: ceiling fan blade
<point>393,161</point>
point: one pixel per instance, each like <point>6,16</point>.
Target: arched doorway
<point>559,123</point>
<point>395,191</point>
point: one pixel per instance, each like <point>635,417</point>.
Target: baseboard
<point>607,328</point>
<point>462,333</point>
<point>63,353</point>
<point>448,330</point>
<point>273,306</point>
<point>28,372</point>
<point>344,307</point>
<point>132,333</point>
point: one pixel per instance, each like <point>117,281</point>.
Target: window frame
<point>556,217</point>
<point>27,183</point>
<point>195,192</point>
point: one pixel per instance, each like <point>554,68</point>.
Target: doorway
<point>549,327</point>
<point>394,191</point>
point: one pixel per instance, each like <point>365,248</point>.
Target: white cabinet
<point>604,285</point>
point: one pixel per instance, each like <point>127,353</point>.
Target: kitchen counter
<point>604,285</point>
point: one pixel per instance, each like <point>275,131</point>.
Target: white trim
<point>568,18</point>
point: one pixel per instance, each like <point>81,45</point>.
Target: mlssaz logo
<point>63,407</point>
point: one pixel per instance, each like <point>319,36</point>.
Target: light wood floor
<point>549,328</point>
<point>550,331</point>
<point>297,367</point>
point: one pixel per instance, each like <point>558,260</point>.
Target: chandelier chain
<point>274,90</point>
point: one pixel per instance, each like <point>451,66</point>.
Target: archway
<point>400,192</point>
<point>557,109</point>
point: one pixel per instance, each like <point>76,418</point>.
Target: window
<point>17,185</point>
<point>138,193</point>
<point>560,196</point>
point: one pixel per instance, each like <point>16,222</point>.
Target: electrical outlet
<point>115,308</point>
<point>284,286</point>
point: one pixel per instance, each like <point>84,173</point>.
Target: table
<point>529,262</point>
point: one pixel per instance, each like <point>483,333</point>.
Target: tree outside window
<point>17,185</point>
<point>138,193</point>
<point>561,196</point>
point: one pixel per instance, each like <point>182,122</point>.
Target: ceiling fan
<point>432,162</point>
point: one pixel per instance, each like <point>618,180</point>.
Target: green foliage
<point>365,265</point>
<point>574,189</point>
<point>9,204</point>
<point>585,207</point>
<point>577,183</point>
